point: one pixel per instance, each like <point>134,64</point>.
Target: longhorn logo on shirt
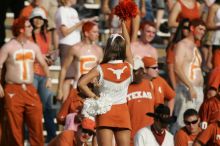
<point>218,137</point>
<point>117,72</point>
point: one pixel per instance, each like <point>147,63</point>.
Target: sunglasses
<point>86,131</point>
<point>192,122</point>
<point>155,67</point>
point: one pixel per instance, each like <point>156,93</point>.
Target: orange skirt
<point>117,117</point>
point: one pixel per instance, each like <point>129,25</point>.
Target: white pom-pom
<point>93,107</point>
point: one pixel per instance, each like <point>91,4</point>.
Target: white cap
<point>138,63</point>
<point>38,12</point>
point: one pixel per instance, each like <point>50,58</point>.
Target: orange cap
<point>149,61</point>
<point>88,124</point>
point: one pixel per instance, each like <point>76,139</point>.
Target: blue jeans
<point>46,99</point>
<point>149,10</point>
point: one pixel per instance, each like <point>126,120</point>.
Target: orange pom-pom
<point>126,9</point>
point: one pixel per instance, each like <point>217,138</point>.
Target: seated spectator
<point>210,111</point>
<point>210,136</point>
<point>157,134</point>
<point>186,135</point>
<point>72,138</point>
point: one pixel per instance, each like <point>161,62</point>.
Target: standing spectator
<point>189,9</point>
<point>52,6</point>
<point>26,12</point>
<point>187,66</point>
<point>142,47</point>
<point>213,23</point>
<point>187,134</point>
<point>16,7</point>
<point>132,24</point>
<point>210,136</point>
<point>114,75</point>
<point>42,38</point>
<point>68,28</point>
<point>156,134</point>
<point>140,96</point>
<point>22,103</point>
<point>85,55</point>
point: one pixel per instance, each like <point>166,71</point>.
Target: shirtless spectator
<point>186,135</point>
<point>85,55</point>
<point>187,66</point>
<point>22,103</point>
<point>142,47</point>
<point>210,136</point>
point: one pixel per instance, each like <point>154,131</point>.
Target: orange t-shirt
<point>210,136</point>
<point>170,55</point>
<point>210,110</point>
<point>44,47</point>
<point>140,101</point>
<point>216,58</point>
<point>162,90</point>
<point>214,78</point>
<point>72,103</point>
<point>183,138</point>
<point>191,14</point>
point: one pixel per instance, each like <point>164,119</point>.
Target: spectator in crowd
<point>187,67</point>
<point>210,136</point>
<point>42,38</point>
<point>27,10</point>
<point>156,134</point>
<point>85,55</point>
<point>210,110</point>
<point>140,98</point>
<point>132,24</point>
<point>184,9</point>
<point>68,27</point>
<point>187,134</point>
<point>213,20</point>
<point>15,6</point>
<point>213,82</point>
<point>21,99</point>
<point>51,6</point>
<point>181,32</point>
<point>142,47</point>
<point>114,75</point>
<point>75,138</point>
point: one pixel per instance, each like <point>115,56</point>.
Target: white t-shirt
<point>67,16</point>
<point>145,137</point>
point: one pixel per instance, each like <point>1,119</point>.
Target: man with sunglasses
<point>186,135</point>
<point>78,138</point>
<point>162,90</point>
<point>187,66</point>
